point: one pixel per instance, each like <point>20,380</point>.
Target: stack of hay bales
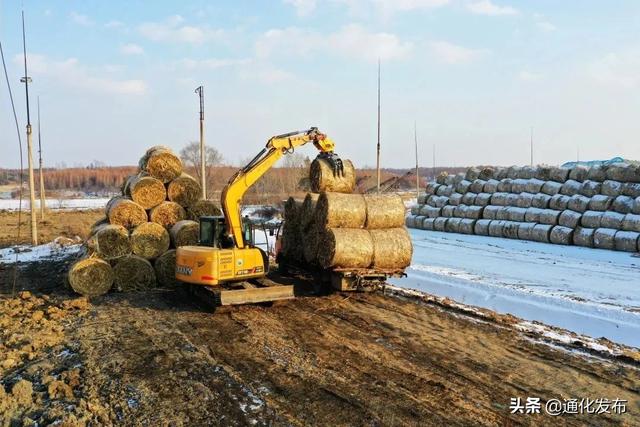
<point>595,206</point>
<point>133,247</point>
<point>335,230</point>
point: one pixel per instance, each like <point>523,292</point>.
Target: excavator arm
<point>276,147</point>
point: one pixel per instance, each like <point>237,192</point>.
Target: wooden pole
<point>203,178</point>
<point>415,139</point>
<point>40,171</point>
<point>32,195</point>
<point>378,147</point>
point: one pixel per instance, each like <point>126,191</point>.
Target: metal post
<point>40,171</point>
<point>415,138</point>
<point>203,178</point>
<point>378,147</point>
<point>32,196</point>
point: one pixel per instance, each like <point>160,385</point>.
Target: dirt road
<point>361,359</point>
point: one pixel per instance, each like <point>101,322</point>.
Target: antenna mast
<point>378,147</point>
<point>42,195</point>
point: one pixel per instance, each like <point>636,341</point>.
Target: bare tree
<point>190,156</point>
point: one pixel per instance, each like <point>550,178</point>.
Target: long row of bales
<point>133,246</point>
<point>595,206</point>
<point>337,229</point>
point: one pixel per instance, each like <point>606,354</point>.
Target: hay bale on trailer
<point>133,273</point>
<point>345,247</point>
<point>481,227</point>
<point>338,210</point>
<point>392,248</point>
<point>91,277</point>
<point>161,163</point>
<point>150,240</point>
<point>604,238</point>
<point>165,268</point>
<point>185,233</point>
<point>590,188</point>
<point>561,235</point>
<point>569,218</point>
<point>583,237</point>
<point>384,211</point>
<point>184,190</point>
<point>110,241</point>
<point>600,202</point>
<point>202,208</point>
<point>125,212</point>
<point>323,179</point>
<point>626,241</point>
<point>145,190</point>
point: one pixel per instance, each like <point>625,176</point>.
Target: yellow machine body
<point>204,265</point>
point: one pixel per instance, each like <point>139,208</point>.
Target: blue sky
<point>475,75</point>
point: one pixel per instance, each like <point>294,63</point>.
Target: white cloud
<point>617,69</point>
<point>131,49</point>
<point>80,19</point>
<point>351,40</point>
<point>303,7</point>
<point>408,5</point>
<point>546,26</point>
<point>114,24</point>
<point>212,63</point>
<point>71,73</point>
<point>486,7</point>
<point>528,76</point>
<point>450,53</point>
<point>173,30</point>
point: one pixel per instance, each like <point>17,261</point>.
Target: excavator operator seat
<point>212,229</point>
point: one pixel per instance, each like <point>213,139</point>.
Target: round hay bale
<point>323,179</point>
<point>427,224</point>
<point>513,172</point>
<point>474,212</point>
<point>167,214</point>
<point>519,185</point>
<point>604,238</point>
<point>419,221</point>
<point>527,172</point>
<point>482,199</point>
<point>481,227</point>
<point>597,173</point>
<point>440,201</point>
<point>543,173</point>
<point>392,248</point>
<point>455,199</point>
<point>458,178</point>
<point>440,224</point>
<point>477,186</point>
<point>184,190</point>
<point>524,230</point>
<point>622,204</point>
<point>503,214</point>
<point>472,174</point>
<point>534,186</point>
<point>524,200</point>
<point>410,221</point>
<point>445,190</point>
<point>384,211</point>
<point>516,214</point>
<point>541,201</point>
<point>202,208</point>
<point>491,212</point>
<point>422,199</point>
<point>161,163</point>
<point>499,199</point>
<point>631,222</point>
<point>337,210</point>
<point>310,242</point>
<point>559,202</point>
<point>533,215</point>
<point>578,203</point>
<point>345,247</point>
<point>620,172</point>
<point>541,233</point>
<point>549,217</point>
<point>146,191</point>
<point>91,277</point>
<point>561,235</point>
<point>165,268</point>
<point>150,240</point>
<point>469,198</point>
<point>631,189</point>
<point>450,180</point>
<point>611,188</point>
<point>415,210</point>
<point>432,187</point>
<point>551,188</point>
<point>512,199</point>
<point>431,212</point>
<point>570,187</point>
<point>612,220</point>
<point>453,225</point>
<point>579,173</point>
<point>460,211</point>
<point>110,241</point>
<point>125,212</point>
<point>133,273</point>
<point>124,188</point>
<point>591,219</point>
<point>491,186</point>
<point>569,218</point>
<point>583,237</point>
<point>308,209</point>
<point>442,177</point>
<point>467,225</point>
<point>97,224</point>
<point>187,233</point>
<point>495,228</point>
<point>559,174</point>
<point>626,241</point>
<point>500,173</point>
<point>590,188</point>
<point>431,200</point>
<point>504,186</point>
<point>448,211</point>
<point>463,186</point>
<point>510,229</point>
<point>600,202</point>
<point>486,173</point>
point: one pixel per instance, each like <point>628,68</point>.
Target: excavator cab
<point>212,230</point>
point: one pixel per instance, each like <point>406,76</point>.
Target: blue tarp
<point>594,162</point>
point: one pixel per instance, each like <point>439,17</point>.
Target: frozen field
<point>589,291</point>
<point>85,203</point>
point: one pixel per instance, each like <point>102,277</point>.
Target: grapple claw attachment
<point>335,161</point>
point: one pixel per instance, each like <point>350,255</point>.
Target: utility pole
<point>378,147</point>
<point>203,180</point>
<point>531,143</point>
<point>26,79</point>
<point>42,195</point>
<point>415,139</point>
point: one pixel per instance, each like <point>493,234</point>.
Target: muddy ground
<point>160,358</point>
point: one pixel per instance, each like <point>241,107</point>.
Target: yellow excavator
<point>226,262</point>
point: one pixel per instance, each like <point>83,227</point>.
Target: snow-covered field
<point>589,291</point>
<point>55,204</point>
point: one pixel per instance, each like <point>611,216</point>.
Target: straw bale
<point>524,200</point>
<point>631,189</point>
<point>579,173</point>
<point>623,204</point>
<point>534,186</point>
<point>590,188</point>
<point>124,187</point>
<point>384,211</point>
<point>345,247</point>
<point>161,163</point>
<point>503,213</point>
<point>165,268</point>
<point>578,203</point>
<point>427,224</point>
<point>98,223</point>
<point>474,212</point>
<point>146,191</point>
<point>612,220</point>
<point>525,229</point>
<point>184,190</point>
<point>570,187</point>
<point>337,210</point>
<point>541,201</point>
<point>543,173</point>
<point>519,185</point>
<point>541,233</point>
<point>559,174</point>
<point>392,248</point>
<point>410,222</point>
<point>186,233</point>
<point>510,229</point>
<point>133,273</point>
<point>500,173</point>
<point>551,188</point>
<point>561,235</point>
<point>440,224</point>
<point>491,212</point>
<point>110,241</point>
<point>620,172</point>
<point>202,208</point>
<point>504,186</point>
<point>527,172</point>
<point>472,174</point>
<point>455,199</point>
<point>611,188</point>
<point>432,187</point>
<point>513,172</point>
<point>469,198</point>
<point>631,222</point>
<point>569,218</point>
<point>150,240</point>
<point>445,190</point>
<point>450,180</point>
<point>91,277</point>
<point>604,238</point>
<point>458,178</point>
<point>323,179</point>
<point>311,240</point>
<point>486,173</point>
<point>591,219</point>
<point>422,199</point>
<point>430,211</point>
<point>600,202</point>
<point>477,186</point>
<point>463,186</point>
<point>448,211</point>
<point>549,216</point>
<point>626,241</point>
<point>467,225</point>
<point>491,186</point>
<point>482,199</point>
<point>533,215</point>
<point>481,227</point>
<point>442,177</point>
<point>512,199</point>
<point>167,214</point>
<point>499,199</point>
<point>583,237</point>
<point>516,214</point>
<point>495,228</point>
<point>453,225</point>
<point>559,202</point>
<point>460,211</point>
<point>125,212</point>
